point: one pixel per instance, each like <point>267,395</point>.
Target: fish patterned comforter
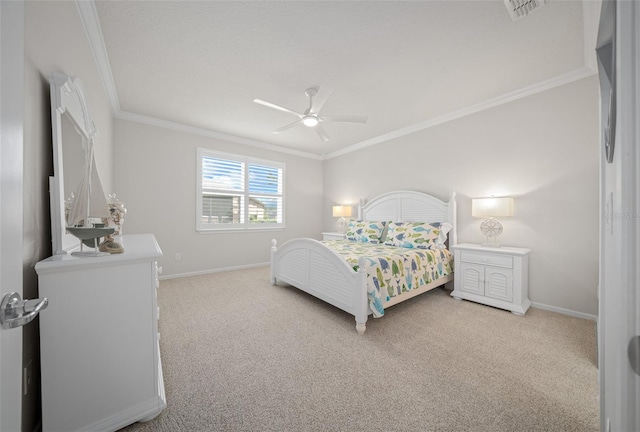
<point>393,270</point>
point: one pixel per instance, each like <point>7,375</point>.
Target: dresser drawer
<point>485,258</point>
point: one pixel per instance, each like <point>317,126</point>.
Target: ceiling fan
<point>311,116</point>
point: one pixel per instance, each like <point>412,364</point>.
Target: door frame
<point>11,202</point>
<point>619,232</point>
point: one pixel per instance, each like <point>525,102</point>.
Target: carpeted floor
<point>240,354</point>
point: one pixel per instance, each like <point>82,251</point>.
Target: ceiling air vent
<point>521,8</point>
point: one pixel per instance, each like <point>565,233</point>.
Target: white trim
<point>91,24</point>
<point>542,86</point>
<point>539,87</point>
<point>13,121</point>
<point>237,230</point>
<point>562,311</point>
<point>590,24</point>
<point>139,118</point>
<point>205,272</point>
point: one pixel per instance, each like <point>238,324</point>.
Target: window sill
<point>236,230</point>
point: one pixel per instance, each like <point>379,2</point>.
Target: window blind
<point>236,192</point>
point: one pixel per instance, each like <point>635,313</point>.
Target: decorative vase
<point>116,213</point>
<point>67,208</point>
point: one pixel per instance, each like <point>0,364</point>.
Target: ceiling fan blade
<point>322,134</point>
<point>284,128</point>
<point>278,107</point>
<point>318,101</point>
<point>344,119</point>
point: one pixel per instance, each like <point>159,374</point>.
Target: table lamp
<point>342,211</point>
<point>490,208</point>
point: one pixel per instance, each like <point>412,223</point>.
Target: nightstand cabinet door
<point>472,278</point>
<point>499,283</point>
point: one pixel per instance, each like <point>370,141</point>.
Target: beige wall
<point>542,150</point>
<point>54,41</point>
<point>155,176</point>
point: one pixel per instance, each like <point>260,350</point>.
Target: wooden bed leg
<point>361,327</point>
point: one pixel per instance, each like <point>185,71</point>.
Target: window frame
<point>204,227</point>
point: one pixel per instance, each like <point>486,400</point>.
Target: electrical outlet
<point>178,257</point>
<point>27,378</point>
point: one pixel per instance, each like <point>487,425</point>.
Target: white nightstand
<point>497,277</point>
<point>333,236</point>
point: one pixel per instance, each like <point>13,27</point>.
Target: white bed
<point>311,266</point>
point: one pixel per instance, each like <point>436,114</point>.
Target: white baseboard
<point>564,311</point>
<point>203,272</point>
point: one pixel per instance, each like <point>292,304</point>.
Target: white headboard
<point>410,206</point>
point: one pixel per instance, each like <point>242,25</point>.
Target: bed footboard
<point>312,267</point>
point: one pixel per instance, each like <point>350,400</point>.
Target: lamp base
<point>342,225</point>
<point>493,245</point>
<point>491,228</point>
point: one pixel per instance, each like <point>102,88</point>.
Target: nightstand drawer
<point>485,258</point>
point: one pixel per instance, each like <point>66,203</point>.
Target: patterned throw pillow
<point>412,235</point>
<point>365,231</point>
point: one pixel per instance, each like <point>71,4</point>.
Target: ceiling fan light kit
<point>310,121</point>
<point>311,116</point>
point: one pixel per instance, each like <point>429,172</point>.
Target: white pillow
<point>445,227</point>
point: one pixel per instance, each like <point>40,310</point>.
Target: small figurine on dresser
<point>110,245</point>
<point>115,221</point>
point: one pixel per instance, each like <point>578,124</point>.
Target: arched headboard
<point>411,206</point>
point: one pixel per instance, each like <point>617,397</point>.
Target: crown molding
<point>557,81</point>
<point>91,24</point>
<point>590,25</point>
<point>180,127</point>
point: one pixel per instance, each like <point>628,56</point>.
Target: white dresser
<point>99,340</point>
<point>497,277</point>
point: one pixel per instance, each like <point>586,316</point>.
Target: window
<point>237,192</point>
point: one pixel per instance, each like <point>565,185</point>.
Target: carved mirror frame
<point>67,99</point>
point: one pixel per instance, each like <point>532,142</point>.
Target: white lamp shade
<point>341,211</point>
<point>491,207</point>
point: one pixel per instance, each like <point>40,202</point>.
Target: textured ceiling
<point>202,63</point>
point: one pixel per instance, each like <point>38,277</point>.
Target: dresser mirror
<point>71,124</point>
<point>606,55</point>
